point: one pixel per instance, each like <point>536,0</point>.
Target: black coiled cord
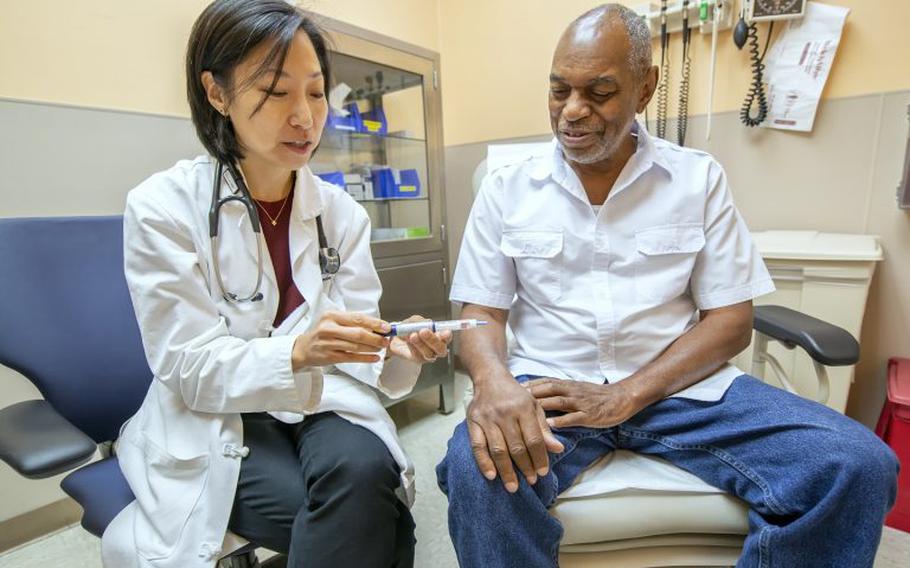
<point>663,88</point>
<point>663,95</point>
<point>756,94</point>
<point>682,121</point>
<point>682,118</point>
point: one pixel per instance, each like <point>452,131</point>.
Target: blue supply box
<point>335,178</point>
<point>374,122</point>
<point>396,184</point>
<point>350,123</point>
<point>408,185</point>
<point>386,183</point>
<point>383,183</point>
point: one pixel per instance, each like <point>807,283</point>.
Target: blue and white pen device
<point>407,328</point>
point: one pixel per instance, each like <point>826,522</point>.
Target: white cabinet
<point>824,275</point>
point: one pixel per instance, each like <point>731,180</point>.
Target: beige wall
<point>886,329</point>
<point>496,59</point>
<point>495,54</point>
<point>127,55</point>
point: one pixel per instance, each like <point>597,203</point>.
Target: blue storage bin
<point>409,185</point>
<point>384,185</point>
<point>374,122</point>
<point>350,123</point>
<point>335,178</point>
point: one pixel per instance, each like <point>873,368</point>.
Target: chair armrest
<point>825,343</point>
<point>37,442</point>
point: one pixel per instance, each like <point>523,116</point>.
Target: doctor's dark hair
<point>223,35</point>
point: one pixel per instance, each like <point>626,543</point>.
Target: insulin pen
<point>407,328</point>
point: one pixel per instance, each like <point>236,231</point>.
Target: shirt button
<point>232,451</point>
<point>209,551</point>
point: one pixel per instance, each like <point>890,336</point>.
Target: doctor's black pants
<point>322,492</point>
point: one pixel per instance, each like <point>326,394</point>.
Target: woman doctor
<point>262,422</point>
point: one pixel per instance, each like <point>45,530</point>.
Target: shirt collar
<point>307,202</point>
<point>307,199</point>
<point>649,151</point>
<point>647,154</point>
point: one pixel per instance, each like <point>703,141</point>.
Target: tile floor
<point>423,432</point>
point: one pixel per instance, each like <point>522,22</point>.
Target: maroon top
<point>278,241</point>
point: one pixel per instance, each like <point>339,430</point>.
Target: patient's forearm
<point>720,335</point>
<point>483,350</point>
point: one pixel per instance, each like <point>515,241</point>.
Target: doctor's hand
<point>341,337</point>
<point>508,429</point>
<point>422,347</point>
<point>585,404</point>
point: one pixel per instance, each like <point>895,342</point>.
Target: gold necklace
<point>274,220</point>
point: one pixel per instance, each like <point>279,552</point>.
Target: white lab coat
<point>213,359</point>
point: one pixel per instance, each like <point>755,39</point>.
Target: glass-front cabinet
<point>383,145</point>
<point>382,140</point>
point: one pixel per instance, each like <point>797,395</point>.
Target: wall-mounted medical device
<point>665,18</point>
<point>755,108</point>
<point>701,15</point>
<point>770,10</point>
<point>668,17</point>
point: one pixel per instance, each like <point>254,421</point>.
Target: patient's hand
<point>507,425</point>
<point>585,404</point>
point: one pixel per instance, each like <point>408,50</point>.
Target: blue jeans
<point>818,484</point>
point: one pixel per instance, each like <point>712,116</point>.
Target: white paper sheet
<point>336,98</point>
<point>798,65</point>
<point>623,470</point>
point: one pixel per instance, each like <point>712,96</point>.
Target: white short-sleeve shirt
<point>596,295</point>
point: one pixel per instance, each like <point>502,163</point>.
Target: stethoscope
<point>329,259</point>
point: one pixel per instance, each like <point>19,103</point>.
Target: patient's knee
<point>873,468</point>
<point>459,470</point>
<point>862,468</point>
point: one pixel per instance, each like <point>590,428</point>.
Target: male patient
<point>633,275</point>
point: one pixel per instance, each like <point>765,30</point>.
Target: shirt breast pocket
<point>538,257</point>
<point>664,260</point>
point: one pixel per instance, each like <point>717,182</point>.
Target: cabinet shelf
<point>364,142</point>
<point>391,199</point>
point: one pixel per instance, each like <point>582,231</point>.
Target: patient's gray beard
<point>599,152</point>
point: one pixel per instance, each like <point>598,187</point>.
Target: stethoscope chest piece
<point>329,262</point>
<point>329,259</point>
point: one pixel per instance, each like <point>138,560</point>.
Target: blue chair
<point>67,324</point>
